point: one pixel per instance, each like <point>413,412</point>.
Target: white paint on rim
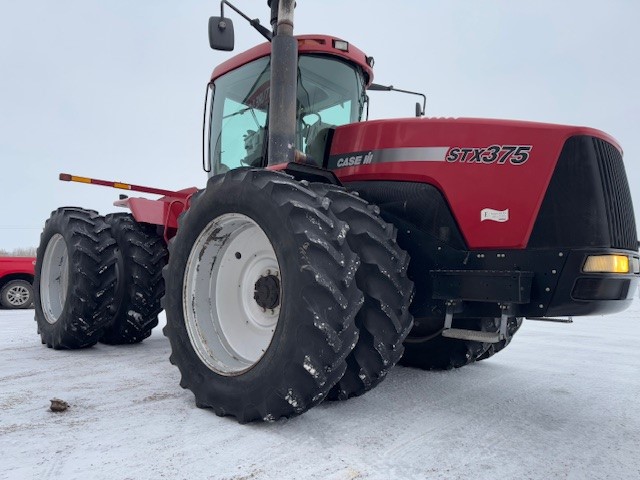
<point>54,278</point>
<point>227,328</point>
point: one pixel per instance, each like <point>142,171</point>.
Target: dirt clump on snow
<point>58,405</point>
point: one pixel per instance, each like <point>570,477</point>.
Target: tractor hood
<point>493,173</point>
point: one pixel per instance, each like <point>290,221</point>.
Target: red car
<point>16,280</point>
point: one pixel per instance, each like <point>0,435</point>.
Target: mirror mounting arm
<point>255,23</point>
<point>420,111</point>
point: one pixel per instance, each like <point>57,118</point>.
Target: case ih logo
<point>500,154</point>
<point>355,160</point>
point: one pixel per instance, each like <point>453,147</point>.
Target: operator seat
<point>317,136</point>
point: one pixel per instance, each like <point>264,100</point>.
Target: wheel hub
<point>232,294</point>
<point>267,291</point>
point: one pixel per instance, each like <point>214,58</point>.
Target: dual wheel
<point>281,294</point>
<point>97,279</point>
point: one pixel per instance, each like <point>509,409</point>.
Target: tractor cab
<point>332,78</point>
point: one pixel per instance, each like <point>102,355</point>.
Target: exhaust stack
<point>284,79</point>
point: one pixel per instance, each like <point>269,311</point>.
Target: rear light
<point>606,264</point>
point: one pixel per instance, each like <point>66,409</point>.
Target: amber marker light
<point>606,264</point>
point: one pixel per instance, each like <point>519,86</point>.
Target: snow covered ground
<point>560,402</point>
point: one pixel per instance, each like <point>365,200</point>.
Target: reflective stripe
<point>388,155</point>
<point>80,179</point>
<point>410,154</point>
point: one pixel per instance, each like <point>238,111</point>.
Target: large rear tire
<point>75,278</point>
<point>260,297</point>
<point>16,294</point>
<point>141,255</point>
<point>435,352</point>
<point>384,319</point>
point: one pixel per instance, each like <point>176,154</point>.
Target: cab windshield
<point>330,93</point>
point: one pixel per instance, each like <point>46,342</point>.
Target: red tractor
<point>287,280</point>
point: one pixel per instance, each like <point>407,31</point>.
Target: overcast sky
<point>114,89</point>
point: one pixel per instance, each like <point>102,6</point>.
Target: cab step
<point>472,335</point>
<point>475,335</point>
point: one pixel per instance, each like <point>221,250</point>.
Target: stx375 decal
<point>500,154</point>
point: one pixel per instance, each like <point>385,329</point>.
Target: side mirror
<point>221,35</point>
<point>419,110</point>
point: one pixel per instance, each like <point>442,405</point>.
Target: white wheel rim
<point>18,295</point>
<point>228,327</point>
<point>54,278</point>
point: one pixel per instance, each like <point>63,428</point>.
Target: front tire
<point>75,278</point>
<point>260,297</point>
<point>384,319</point>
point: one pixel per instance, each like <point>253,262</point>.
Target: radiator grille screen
<point>617,197</point>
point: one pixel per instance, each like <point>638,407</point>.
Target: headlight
<point>606,264</point>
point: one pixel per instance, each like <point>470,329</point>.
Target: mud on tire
<point>75,278</point>
<point>293,290</point>
<point>141,255</point>
<point>384,319</point>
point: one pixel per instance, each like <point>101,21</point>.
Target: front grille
<point>617,197</point>
<point>588,202</point>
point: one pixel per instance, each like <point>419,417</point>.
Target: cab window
<point>330,94</point>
